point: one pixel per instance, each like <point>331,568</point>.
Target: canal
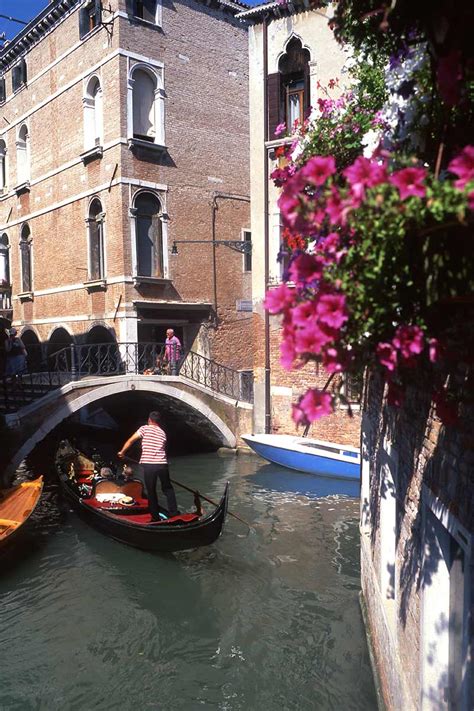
<point>259,621</point>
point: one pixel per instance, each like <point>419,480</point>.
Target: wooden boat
<point>117,507</point>
<point>313,456</point>
<point>16,506</point>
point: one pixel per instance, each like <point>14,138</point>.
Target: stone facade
<point>417,526</point>
<point>197,55</point>
<point>326,60</point>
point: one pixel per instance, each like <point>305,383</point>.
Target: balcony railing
<point>76,362</point>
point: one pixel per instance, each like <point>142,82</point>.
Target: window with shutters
<point>3,90</point>
<point>19,75</point>
<point>288,89</point>
<point>23,155</point>
<point>26,259</point>
<point>90,17</point>
<point>247,237</point>
<point>95,224</point>
<point>93,114</point>
<point>3,166</point>
<point>147,10</point>
<point>149,235</point>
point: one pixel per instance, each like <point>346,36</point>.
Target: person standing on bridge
<point>173,351</point>
<point>16,354</point>
<point>155,464</point>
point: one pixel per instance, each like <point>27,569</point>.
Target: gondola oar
<point>195,491</point>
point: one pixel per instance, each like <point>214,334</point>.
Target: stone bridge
<point>217,418</point>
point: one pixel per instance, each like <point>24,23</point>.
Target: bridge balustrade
<point>76,362</point>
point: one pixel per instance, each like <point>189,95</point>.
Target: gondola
<point>16,506</point>
<point>117,507</point>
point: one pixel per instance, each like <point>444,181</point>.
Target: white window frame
<point>104,240</point>
<point>161,196</point>
<point>158,15</point>
<point>91,108</point>
<point>156,71</point>
<point>23,175</point>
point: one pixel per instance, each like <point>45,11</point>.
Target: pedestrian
<point>16,354</point>
<point>155,464</point>
<point>173,351</point>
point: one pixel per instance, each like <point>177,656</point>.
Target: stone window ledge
<point>95,285</point>
<point>146,23</point>
<point>137,279</point>
<point>140,143</point>
<point>23,187</point>
<point>26,296</point>
<point>91,154</point>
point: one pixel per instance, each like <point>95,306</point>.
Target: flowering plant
<point>386,216</point>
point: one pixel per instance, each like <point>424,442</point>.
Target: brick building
<point>291,50</point>
<point>125,128</point>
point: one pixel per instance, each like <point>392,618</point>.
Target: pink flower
<point>331,310</point>
<point>318,169</point>
<point>315,404</point>
<point>330,243</point>
<point>387,356</point>
<point>292,203</point>
<point>287,353</point>
<point>311,339</point>
<point>305,268</point>
<point>409,340</point>
<point>409,182</point>
<point>278,299</point>
<point>463,167</point>
<point>470,200</point>
<point>279,176</point>
<point>434,350</point>
<point>280,130</point>
<point>335,208</point>
<point>364,173</point>
<point>298,415</point>
<point>332,361</point>
<point>303,313</point>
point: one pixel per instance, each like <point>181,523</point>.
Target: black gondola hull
<point>163,537</point>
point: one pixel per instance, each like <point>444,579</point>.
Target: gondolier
<point>155,464</point>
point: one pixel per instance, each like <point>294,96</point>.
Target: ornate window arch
<point>96,240</point>
<point>23,155</point>
<point>93,113</point>
<point>149,243</point>
<point>26,258</point>
<point>289,88</point>
<point>146,104</point>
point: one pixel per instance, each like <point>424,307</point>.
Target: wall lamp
<point>242,246</point>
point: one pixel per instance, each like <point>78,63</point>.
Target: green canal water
<point>256,622</point>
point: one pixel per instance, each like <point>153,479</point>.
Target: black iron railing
<point>75,362</point>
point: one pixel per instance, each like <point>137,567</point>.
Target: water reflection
<point>259,621</point>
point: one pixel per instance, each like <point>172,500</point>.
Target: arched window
<point>95,223</point>
<point>26,259</point>
<point>294,70</point>
<point>149,235</point>
<point>288,89</point>
<point>144,114</point>
<point>23,155</point>
<point>4,261</point>
<point>3,165</point>
<point>93,114</point>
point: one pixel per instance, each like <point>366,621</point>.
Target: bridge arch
<point>114,386</point>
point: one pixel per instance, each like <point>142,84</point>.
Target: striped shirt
<point>153,445</point>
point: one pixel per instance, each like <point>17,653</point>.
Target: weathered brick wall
<point>205,58</point>
<point>440,457</point>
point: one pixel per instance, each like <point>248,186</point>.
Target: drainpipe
<point>214,208</point>
<point>266,226</point>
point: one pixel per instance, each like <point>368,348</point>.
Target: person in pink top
<point>173,351</point>
<point>155,464</point>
